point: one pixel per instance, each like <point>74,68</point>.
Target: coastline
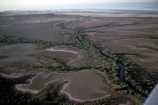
<point>91,13</point>
<point>108,14</point>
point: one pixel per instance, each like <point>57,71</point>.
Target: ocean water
<point>99,7</point>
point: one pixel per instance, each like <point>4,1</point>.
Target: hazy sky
<point>41,2</point>
<point>6,5</point>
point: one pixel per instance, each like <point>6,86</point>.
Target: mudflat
<point>84,85</point>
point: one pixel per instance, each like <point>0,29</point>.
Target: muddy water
<point>81,86</point>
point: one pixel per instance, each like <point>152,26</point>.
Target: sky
<point>7,5</point>
<point>42,2</point>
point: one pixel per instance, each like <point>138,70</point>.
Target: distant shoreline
<point>87,10</point>
<point>125,7</point>
<point>83,13</point>
<point>108,14</point>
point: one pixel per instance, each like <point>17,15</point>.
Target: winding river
<point>121,75</point>
<point>121,71</point>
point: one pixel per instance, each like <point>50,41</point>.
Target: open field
<point>16,53</point>
<point>36,26</point>
<point>123,33</point>
<point>62,49</point>
<point>127,37</point>
<point>70,56</point>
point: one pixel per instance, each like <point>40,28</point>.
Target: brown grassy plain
<point>119,32</point>
<point>123,33</point>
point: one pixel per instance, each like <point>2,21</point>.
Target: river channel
<point>121,76</point>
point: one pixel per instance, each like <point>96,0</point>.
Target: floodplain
<point>74,57</point>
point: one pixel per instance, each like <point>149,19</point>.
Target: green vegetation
<point>10,97</point>
<point>13,39</point>
<point>135,76</point>
<point>50,97</point>
<point>138,81</point>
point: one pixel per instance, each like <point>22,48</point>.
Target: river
<point>121,71</point>
<point>121,75</point>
